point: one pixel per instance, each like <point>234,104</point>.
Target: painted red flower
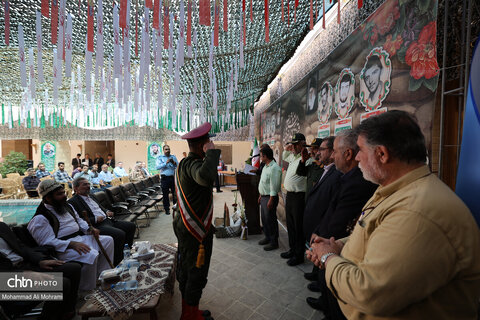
<point>421,56</point>
<point>392,46</point>
<point>386,16</point>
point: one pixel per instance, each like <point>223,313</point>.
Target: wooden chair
<point>10,188</point>
<point>68,190</point>
<point>13,175</point>
<point>125,179</point>
<point>116,182</point>
<point>45,178</point>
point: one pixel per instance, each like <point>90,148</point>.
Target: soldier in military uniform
<point>192,223</point>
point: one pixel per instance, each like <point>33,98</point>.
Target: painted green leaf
<point>401,53</point>
<point>431,84</point>
<point>423,5</point>
<point>414,84</point>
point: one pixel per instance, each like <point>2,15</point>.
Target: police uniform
<point>192,223</point>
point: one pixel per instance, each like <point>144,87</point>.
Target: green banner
<point>153,151</point>
<point>49,150</point>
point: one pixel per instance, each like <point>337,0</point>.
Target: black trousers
<point>121,231</point>
<point>294,207</point>
<point>333,311</point>
<point>52,309</point>
<point>168,184</point>
<point>269,219</point>
<point>191,280</point>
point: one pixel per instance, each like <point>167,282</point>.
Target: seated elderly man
<point>17,257</point>
<point>122,232</point>
<point>84,174</point>
<point>57,224</point>
<point>105,177</point>
<point>119,171</point>
<point>415,251</point>
<point>30,183</point>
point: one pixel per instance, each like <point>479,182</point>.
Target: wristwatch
<point>324,258</point>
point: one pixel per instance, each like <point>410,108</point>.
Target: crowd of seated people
<point>58,237</point>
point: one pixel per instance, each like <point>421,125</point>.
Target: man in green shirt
<point>269,187</point>
<point>194,179</point>
<point>295,203</point>
<point>311,166</point>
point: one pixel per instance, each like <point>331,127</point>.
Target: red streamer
<point>323,17</point>
<point>122,22</point>
<point>90,20</point>
<point>189,23</point>
<point>166,29</point>
<point>46,8</point>
<point>267,35</point>
<point>225,15</point>
<point>338,12</point>
<point>360,4</point>
<point>217,22</point>
<point>149,4</point>
<point>311,14</point>
<point>54,21</point>
<point>156,12</point>
<point>7,22</point>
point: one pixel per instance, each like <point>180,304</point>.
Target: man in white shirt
<point>122,232</point>
<point>119,171</point>
<point>57,224</point>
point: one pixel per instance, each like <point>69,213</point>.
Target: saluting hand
<point>208,146</point>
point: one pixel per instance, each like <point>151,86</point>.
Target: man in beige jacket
<point>415,251</point>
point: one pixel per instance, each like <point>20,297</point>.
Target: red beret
<point>199,132</point>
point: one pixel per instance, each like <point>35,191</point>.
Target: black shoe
<point>167,212</point>
<point>314,286</point>
<point>315,303</point>
<point>218,191</point>
<point>206,313</point>
<point>270,247</point>
<point>294,261</point>
<point>263,242</point>
<point>311,276</point>
<point>286,255</point>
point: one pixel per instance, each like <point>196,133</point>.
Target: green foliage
<point>13,162</point>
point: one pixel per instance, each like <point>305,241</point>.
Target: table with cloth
<point>155,277</point>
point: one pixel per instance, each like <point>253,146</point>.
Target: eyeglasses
<point>321,148</point>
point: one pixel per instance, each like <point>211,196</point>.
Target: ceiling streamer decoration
<point>84,71</point>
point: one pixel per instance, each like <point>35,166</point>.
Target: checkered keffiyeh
<point>156,276</point>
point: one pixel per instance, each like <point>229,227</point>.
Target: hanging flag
<point>468,175</point>
<point>32,73</point>
<point>123,14</point>
<point>99,51</point>
<point>38,31</point>
<point>149,4</point>
<point>46,8</point>
<point>170,48</point>
<point>136,29</point>
<point>166,24</point>
<point>181,36</point>
<point>323,17</point>
<point>242,40</point>
<point>68,46</point>
<point>217,22</point>
<point>21,55</point>
<point>283,15</point>
<point>156,14</point>
<point>360,4</point>
<point>189,24</point>
<point>90,15</point>
<point>267,33</point>
<point>251,10</point>
<point>204,12</point>
<point>7,21</point>
<point>61,31</point>
<point>55,78</point>
<point>311,14</point>
<point>127,77</point>
<point>225,15</point>
<point>117,68</point>
<point>338,12</point>
<point>54,21</point>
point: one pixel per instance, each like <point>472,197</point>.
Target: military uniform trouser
<point>191,279</point>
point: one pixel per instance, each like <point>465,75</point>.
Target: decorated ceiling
<point>164,64</point>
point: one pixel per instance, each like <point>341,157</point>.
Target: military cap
<point>199,132</point>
